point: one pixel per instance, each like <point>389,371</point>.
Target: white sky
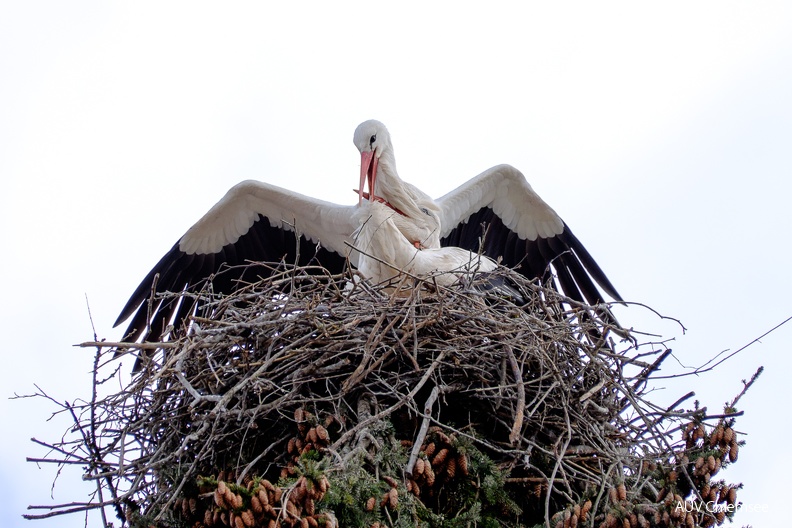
<point>662,135</point>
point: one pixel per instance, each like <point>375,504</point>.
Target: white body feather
<point>384,252</point>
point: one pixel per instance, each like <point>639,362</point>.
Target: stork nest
<point>298,401</point>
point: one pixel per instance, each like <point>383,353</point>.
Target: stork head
<point>372,140</point>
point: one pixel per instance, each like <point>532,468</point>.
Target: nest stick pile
<point>301,401</point>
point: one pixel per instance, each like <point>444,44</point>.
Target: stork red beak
<point>368,173</point>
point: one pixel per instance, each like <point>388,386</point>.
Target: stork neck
<point>386,164</point>
<point>391,190</point>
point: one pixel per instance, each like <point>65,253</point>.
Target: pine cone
<point>443,438</point>
<point>700,432</point>
<point>613,495</point>
<point>705,490</point>
<point>621,490</point>
<point>429,474</point>
<point>734,451</point>
<point>728,435</point>
<point>324,484</point>
<point>311,436</point>
<point>419,467</point>
<point>717,436</point>
<point>393,498</point>
<point>255,505</point>
<point>248,519</point>
<point>263,496</point>
<point>322,435</point>
<point>440,457</point>
<point>462,463</point>
<point>451,468</point>
<point>731,497</point>
<point>219,499</point>
<point>584,510</point>
<point>390,480</point>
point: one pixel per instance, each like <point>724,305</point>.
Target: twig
<point>419,438</point>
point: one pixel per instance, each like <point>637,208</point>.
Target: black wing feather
<point>585,258</point>
<point>224,271</point>
<point>573,264</point>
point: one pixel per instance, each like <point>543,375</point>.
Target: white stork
<point>257,222</point>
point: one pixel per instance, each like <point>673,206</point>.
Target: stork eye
<point>373,139</point>
<point>425,211</point>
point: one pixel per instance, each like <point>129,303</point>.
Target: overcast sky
<point>662,135</point>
